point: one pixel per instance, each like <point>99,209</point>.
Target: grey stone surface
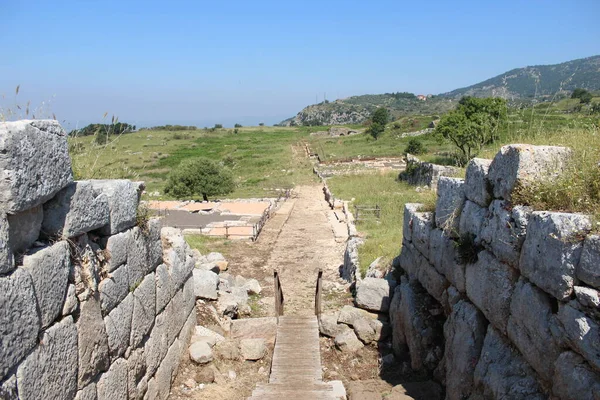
<point>205,284</point>
<point>49,269</point>
<point>409,211</point>
<point>521,163</point>
<point>137,257</point>
<point>574,379</point>
<point>87,393</point>
<point>581,332</point>
<point>490,285</point>
<point>587,297</point>
<point>144,309</point>
<point>50,371</point>
<point>348,314</point>
<point>252,286</point>
<point>34,161</point>
<point>450,202</point>
<point>166,372</point>
<point>123,198</point>
<point>200,352</point>
<point>137,381</point>
<point>347,342</point>
<point>422,224</point>
<point>7,262</point>
<point>530,328</point>
<point>248,328</point>
<point>328,325</point>
<point>118,327</point>
<point>8,388</point>
<point>114,288</point>
<point>117,246</point>
<point>374,294</point>
<point>153,242</point>
<point>501,372</point>
<point>165,289</point>
<point>588,269</point>
<point>443,257</point>
<point>86,267</point>
<point>351,262</point>
<point>364,330</point>
<point>253,349</point>
<point>552,250</point>
<point>477,186</point>
<point>430,279</point>
<point>24,228</point>
<point>71,302</point>
<point>503,232</point>
<point>228,350</point>
<point>472,218</point>
<point>157,344</point>
<point>464,331</point>
<point>92,342</point>
<point>112,385</point>
<point>76,209</point>
<point>19,319</point>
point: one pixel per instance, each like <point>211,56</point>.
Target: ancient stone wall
<point>421,173</point>
<point>94,302</point>
<point>498,300</point>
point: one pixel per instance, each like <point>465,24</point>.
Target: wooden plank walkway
<point>296,368</point>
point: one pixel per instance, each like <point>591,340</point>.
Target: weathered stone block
<point>86,267</point>
<point>351,262</point>
<point>154,246</point>
<point>205,283</point>
<point>19,319</point>
<point>50,371</point>
<point>443,257</point>
<point>144,310</point>
<point>118,327</point>
<point>35,163</point>
<point>92,342</point>
<point>7,262</point>
<point>490,285</point>
<point>137,257</point>
<point>581,332</point>
<point>347,342</point>
<point>172,238</point>
<point>165,290</point>
<point>137,382</point>
<point>587,297</point>
<point>472,218</point>
<point>123,198</point>
<point>503,232</point>
<point>117,246</point>
<point>530,328</point>
<point>588,269</point>
<point>434,282</point>
<point>477,186</point>
<point>76,209</point>
<point>574,379</point>
<point>501,372</point>
<point>450,202</point>
<point>113,383</point>
<point>114,288</point>
<point>24,228</point>
<point>409,258</point>
<point>409,211</point>
<point>552,250</point>
<point>464,331</point>
<point>265,328</point>
<point>49,269</point>
<point>87,393</point>
<point>349,314</point>
<point>166,372</point>
<point>157,344</point>
<point>8,388</point>
<point>71,303</point>
<point>374,294</point>
<point>422,224</point>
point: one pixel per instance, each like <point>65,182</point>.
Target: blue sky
<point>200,62</point>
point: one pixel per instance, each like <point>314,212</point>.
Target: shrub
<point>376,129</point>
<point>415,146</point>
<point>199,176</point>
<point>237,126</point>
<point>218,126</point>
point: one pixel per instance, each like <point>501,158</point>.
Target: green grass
<point>384,237</point>
<point>207,244</point>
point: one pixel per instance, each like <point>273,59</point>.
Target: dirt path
<point>305,244</point>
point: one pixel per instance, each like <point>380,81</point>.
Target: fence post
<point>318,292</point>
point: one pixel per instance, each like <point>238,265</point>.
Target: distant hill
<point>538,81</point>
<point>521,84</point>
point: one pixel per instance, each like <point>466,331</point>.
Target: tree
<point>261,124</point>
<point>378,120</point>
<point>415,146</point>
<point>473,124</point>
<point>218,126</point>
<point>237,126</point>
<point>376,129</point>
<point>583,95</point>
<point>199,176</point>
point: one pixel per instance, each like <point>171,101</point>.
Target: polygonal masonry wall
<point>92,305</point>
<point>520,289</point>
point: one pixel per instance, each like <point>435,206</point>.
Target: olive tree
<point>199,176</point>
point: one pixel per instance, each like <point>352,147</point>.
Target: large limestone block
<point>490,285</point>
<point>24,228</point>
<point>92,342</point>
<point>477,186</point>
<point>374,294</point>
<point>503,232</point>
<point>205,284</point>
<point>530,328</point>
<point>409,211</point>
<point>347,342</point>
<point>254,328</point>
<point>450,202</point>
<point>443,257</point>
<point>581,332</point>
<point>166,372</point>
<point>409,258</point>
<point>521,163</point>
<point>165,289</point>
<point>19,319</point>
<point>49,268</point>
<point>434,282</point>
<point>118,327</point>
<point>351,262</point>
<point>464,331</point>
<point>144,310</point>
<point>138,257</point>
<point>396,321</point>
<point>50,371</point>
<point>422,224</point>
<point>157,345</point>
<point>588,269</point>
<point>112,385</point>
<point>76,209</point>
<point>349,314</point>
<point>501,372</point>
<point>574,379</point>
<point>123,198</point>
<point>87,393</point>
<point>137,381</point>
<point>552,250</point>
<point>114,288</point>
<point>34,161</point>
<point>253,349</point>
<point>472,218</point>
<point>8,388</point>
<point>117,246</point>
<point>7,262</point>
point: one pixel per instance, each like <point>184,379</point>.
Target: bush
<point>199,176</point>
<point>415,146</point>
<point>218,126</point>
<point>376,129</point>
<point>237,126</point>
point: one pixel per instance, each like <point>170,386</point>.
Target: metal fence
<point>366,212</point>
